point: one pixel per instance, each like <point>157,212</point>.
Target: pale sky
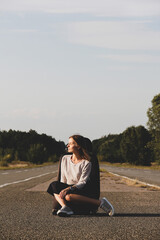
<point>67,66</point>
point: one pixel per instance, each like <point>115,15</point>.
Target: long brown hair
<point>85,146</point>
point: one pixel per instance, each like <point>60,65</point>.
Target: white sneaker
<point>65,212</point>
<point>107,207</point>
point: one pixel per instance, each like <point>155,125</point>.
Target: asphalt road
<point>144,175</point>
<point>9,177</point>
<point>26,215</point>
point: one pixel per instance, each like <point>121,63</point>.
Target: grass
<point>139,184</point>
<point>20,164</point>
<point>127,181</point>
<point>104,172</point>
<point>154,166</point>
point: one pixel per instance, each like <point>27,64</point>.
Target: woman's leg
<point>79,199</point>
<point>54,189</point>
<point>55,205</point>
<point>60,200</point>
<point>65,210</point>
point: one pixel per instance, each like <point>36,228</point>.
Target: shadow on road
<point>137,215</point>
<point>120,215</point>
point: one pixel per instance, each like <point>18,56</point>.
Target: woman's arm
<point>62,168</point>
<point>84,176</point>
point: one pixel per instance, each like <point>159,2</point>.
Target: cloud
<point>124,35</point>
<point>24,30</point>
<point>117,68</point>
<point>114,8</point>
<point>136,58</point>
<point>23,112</point>
<point>33,113</point>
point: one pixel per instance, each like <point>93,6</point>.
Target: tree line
<point>136,145</point>
<point>131,146</point>
<point>29,147</point>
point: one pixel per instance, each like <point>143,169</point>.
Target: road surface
<point>144,175</point>
<point>27,215</point>
<point>10,177</point>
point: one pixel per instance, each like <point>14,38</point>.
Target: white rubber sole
<point>111,213</point>
<point>64,214</point>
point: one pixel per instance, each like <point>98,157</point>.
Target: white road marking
<point>18,171</point>
<point>25,180</point>
<point>144,183</point>
<point>5,173</point>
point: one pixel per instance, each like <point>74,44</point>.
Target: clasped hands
<point>64,192</point>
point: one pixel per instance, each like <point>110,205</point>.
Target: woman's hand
<point>63,193</point>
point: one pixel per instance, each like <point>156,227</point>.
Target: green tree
<point>133,145</point>
<point>110,149</point>
<point>153,123</point>
<point>20,145</point>
<point>97,143</point>
<point>37,153</point>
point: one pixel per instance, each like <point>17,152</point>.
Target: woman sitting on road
<point>75,187</point>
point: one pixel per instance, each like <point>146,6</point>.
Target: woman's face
<point>72,146</point>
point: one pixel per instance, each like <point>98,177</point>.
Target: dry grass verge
<point>154,165</point>
<point>20,164</point>
<point>118,180</point>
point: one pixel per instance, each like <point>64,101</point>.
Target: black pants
<point>57,187</point>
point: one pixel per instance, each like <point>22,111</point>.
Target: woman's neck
<point>76,158</point>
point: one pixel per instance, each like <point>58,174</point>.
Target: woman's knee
<point>68,197</point>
